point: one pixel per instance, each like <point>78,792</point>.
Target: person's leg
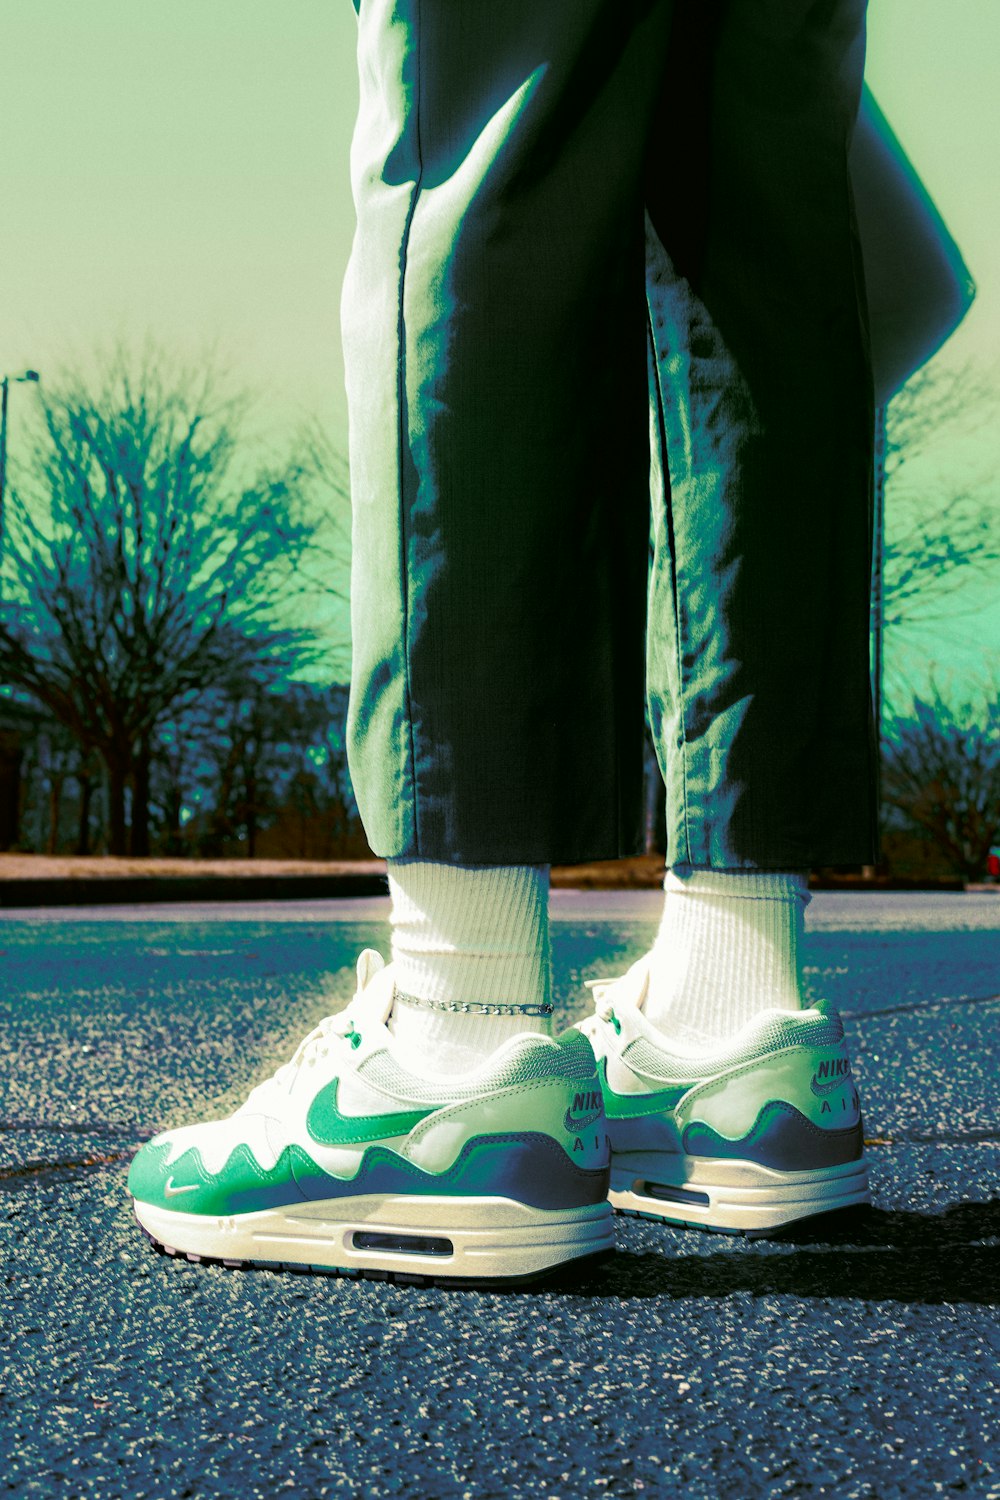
<point>729,945</point>
<point>494,333</point>
<point>494,336</point>
<point>758,676</point>
<point>758,673</point>
<point>729,1105</point>
<point>470,955</point>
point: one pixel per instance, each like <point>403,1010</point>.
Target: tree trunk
<point>55,807</point>
<point>116,805</point>
<point>86,784</point>
<point>172,809</point>
<point>220,825</point>
<point>251,792</point>
<point>11,757</point>
<point>139,832</point>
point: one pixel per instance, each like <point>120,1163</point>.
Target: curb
<point>133,890</point>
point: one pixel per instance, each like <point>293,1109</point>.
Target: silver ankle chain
<point>461,1008</point>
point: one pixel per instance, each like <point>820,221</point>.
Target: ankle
<point>729,947</point>
<point>438,1039</point>
<point>470,954</point>
<point>470,934</point>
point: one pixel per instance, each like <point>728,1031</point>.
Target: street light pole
<point>878,579</point>
<point>5,383</point>
<point>10,738</point>
<point>877,622</point>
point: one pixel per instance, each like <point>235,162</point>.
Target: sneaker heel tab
<point>579,1055</point>
<point>826,1011</point>
<point>574,1040</point>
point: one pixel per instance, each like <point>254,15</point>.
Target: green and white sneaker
<point>762,1133</point>
<point>346,1162</point>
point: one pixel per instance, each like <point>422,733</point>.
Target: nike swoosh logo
<point>830,1085</point>
<point>580,1122</point>
<point>171,1192</point>
<point>634,1106</point>
<point>329,1127</point>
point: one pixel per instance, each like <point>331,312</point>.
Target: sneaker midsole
<point>735,1195</point>
<point>485,1237</point>
<point>681,1170</point>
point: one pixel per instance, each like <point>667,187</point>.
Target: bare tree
<point>248,719</point>
<point>276,751</point>
<point>318,791</point>
<point>326,566</point>
<point>941,773</point>
<point>938,539</point>
<point>141,567</point>
<point>180,769</point>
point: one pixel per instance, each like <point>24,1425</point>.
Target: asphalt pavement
<point>854,1357</point>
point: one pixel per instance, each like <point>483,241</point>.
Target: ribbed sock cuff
<point>750,885</point>
<point>728,947</point>
<point>473,935</point>
<point>478,934</point>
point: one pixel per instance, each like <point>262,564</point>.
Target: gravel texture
<point>848,1359</point>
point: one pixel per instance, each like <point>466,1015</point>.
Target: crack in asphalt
<point>74,1127</point>
<point>895,1010</point>
<point>28,1170</point>
<point>928,1138</point>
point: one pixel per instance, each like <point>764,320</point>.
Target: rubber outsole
<point>419,1239</point>
<point>776,1232</point>
<point>733,1197</point>
<point>580,1266</point>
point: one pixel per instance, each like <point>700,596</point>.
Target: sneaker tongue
<point>376,991</point>
<point>635,983</point>
<point>369,963</point>
<point>629,990</point>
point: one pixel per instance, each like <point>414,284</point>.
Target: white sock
<point>472,935</point>
<point>728,947</point>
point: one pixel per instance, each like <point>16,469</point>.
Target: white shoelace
<point>627,994</point>
<point>332,1031</point>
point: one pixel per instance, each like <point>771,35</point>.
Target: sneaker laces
<point>332,1031</point>
<point>628,989</point>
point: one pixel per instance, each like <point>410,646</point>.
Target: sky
<point>182,170</point>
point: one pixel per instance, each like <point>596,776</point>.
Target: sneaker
<point>347,1162</point>
<point>757,1135</point>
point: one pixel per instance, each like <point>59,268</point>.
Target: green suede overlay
<point>634,1106</point>
<point>327,1125</point>
<point>525,1166</point>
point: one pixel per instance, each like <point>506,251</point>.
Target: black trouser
<point>498,332</point>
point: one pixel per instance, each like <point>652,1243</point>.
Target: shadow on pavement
<point>873,1255</point>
